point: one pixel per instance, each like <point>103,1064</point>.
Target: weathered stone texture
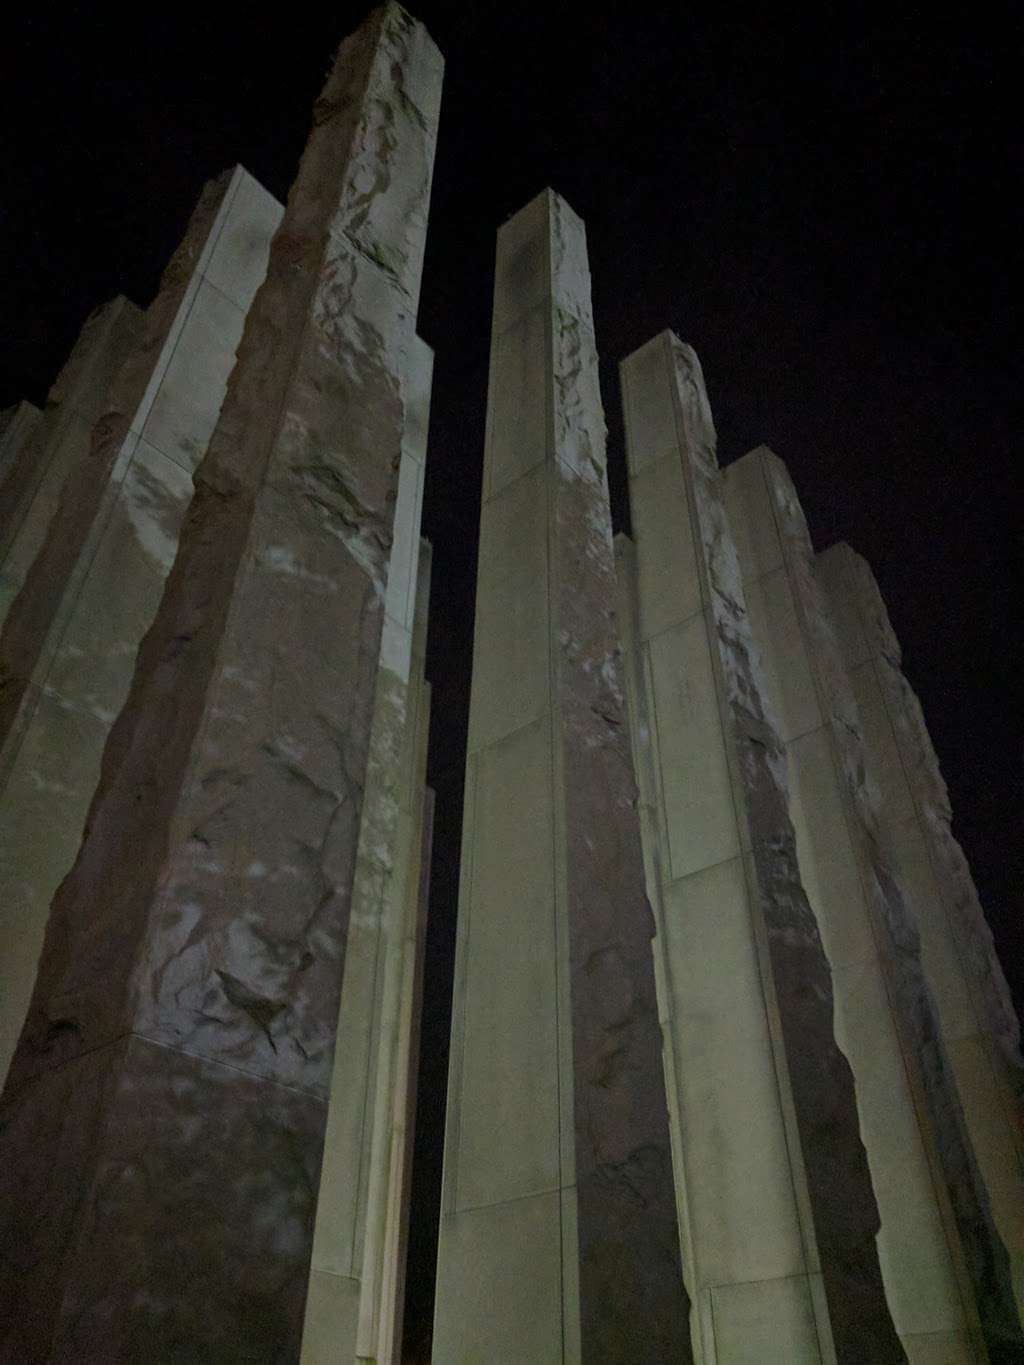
<point>204,924</point>
<point>559,1238</point>
<point>50,760</point>
<point>974,1244</point>
<point>799,1239</point>
<point>56,454</point>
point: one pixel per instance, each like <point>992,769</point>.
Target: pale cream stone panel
<point>669,585</point>
<point>649,410</point>
<point>516,428</point>
<point>238,261</point>
<point>765,1322</point>
<point>508,1136</point>
<point>503,1262</point>
<point>332,1308</point>
<point>699,814</point>
<point>912,1247</point>
<point>185,410</point>
<point>828,864</point>
<point>938,1348</point>
<point>521,270</point>
<point>773,620</point>
<point>895,803</point>
<point>742,1208</point>
<point>751,517</point>
<point>510,648</point>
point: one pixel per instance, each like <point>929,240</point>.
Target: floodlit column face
<point>933,1244</point>
<point>349,1309</point>
<point>164,1116</point>
<point>78,657</point>
<point>770,1171</point>
<point>558,1234</point>
<point>56,452</point>
<point>979,1028</point>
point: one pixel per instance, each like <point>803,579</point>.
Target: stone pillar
<point>941,1270</point>
<point>17,426</point>
<point>57,452</point>
<point>76,662</point>
<point>352,1283</point>
<point>164,1116</point>
<point>558,1237</point>
<point>770,1169</point>
<point>979,1028</point>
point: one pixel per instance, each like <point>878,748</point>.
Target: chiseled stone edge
<point>984,1255</point>
<point>124,860</point>
<point>843,1206</point>
<point>633,1300</point>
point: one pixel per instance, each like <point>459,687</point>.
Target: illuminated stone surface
<point>107,596</point>
<point>559,1238</point>
<point>165,1110</point>
<point>944,1274</point>
<point>770,1170</point>
<point>979,1028</point>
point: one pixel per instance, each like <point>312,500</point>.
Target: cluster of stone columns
<point>220,693</point>
<point>735,1077</point>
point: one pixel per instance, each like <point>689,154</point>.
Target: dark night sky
<point>823,208</point>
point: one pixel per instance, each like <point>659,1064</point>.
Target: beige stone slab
<point>749,510</point>
<point>400,596</point>
<point>329,1333</point>
<point>668,579</point>
<point>508,1123</point>
<point>776,630</point>
<point>649,409</point>
<point>186,406</point>
<point>516,425</point>
<point>942,966</point>
<point>993,1141</point>
<point>92,668</point>
<point>510,647</point>
<point>919,1279</point>
<point>698,811</point>
<point>238,262</point>
<point>828,863</point>
<point>71,447</point>
<point>504,1263</point>
<point>45,802</point>
<point>765,1322</point>
<point>742,1209</point>
<point>521,277</point>
<point>939,1348</point>
<point>832,569</point>
<point>895,802</point>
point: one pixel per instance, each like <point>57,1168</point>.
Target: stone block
<point>770,1321</point>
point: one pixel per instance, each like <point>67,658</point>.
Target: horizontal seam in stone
<point>764,1279</point>
<point>699,871</point>
<point>228,1066</point>
<point>514,1199</point>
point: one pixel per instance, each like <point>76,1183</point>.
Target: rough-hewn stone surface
<point>193,957</point>
<point>842,1202</point>
<point>56,456</point>
<point>632,1301</point>
<point>975,1236</point>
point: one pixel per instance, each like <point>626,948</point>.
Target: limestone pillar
<point>979,1028</point>
<point>942,1271</point>
<point>350,1311</point>
<point>17,425</point>
<point>770,1170</point>
<point>57,451</point>
<point>558,1237</point>
<point>164,1116</point>
<point>74,660</point>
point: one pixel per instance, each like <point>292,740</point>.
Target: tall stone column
<point>353,1277</point>
<point>979,1028</point>
<point>558,1239</point>
<point>770,1168</point>
<point>93,588</point>
<point>164,1117</point>
<point>17,426</point>
<point>57,451</point>
<point>946,1277</point>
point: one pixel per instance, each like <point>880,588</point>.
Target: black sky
<point>823,207</point>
